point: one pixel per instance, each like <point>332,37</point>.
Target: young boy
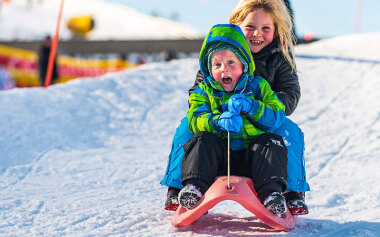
<point>231,99</point>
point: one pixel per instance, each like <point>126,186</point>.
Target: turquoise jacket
<point>209,100</point>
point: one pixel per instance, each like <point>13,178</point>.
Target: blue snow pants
<point>290,132</point>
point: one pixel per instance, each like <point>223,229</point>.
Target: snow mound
<point>358,46</point>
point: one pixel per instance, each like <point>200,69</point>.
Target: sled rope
<point>228,160</point>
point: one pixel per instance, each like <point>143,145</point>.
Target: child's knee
<point>269,140</point>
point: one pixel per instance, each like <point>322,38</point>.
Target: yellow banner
<point>22,66</point>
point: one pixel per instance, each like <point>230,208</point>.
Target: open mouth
<point>227,80</point>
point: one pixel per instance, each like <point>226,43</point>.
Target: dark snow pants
<point>264,160</point>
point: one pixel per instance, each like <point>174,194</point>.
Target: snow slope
<point>22,21</point>
<point>85,158</point>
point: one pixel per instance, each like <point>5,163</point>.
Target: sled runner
<point>240,190</point>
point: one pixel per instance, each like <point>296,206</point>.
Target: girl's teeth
<point>257,42</point>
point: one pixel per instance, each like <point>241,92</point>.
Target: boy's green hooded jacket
<point>209,100</point>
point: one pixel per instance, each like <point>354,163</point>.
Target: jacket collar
<point>271,48</point>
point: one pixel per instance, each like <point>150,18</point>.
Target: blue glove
<point>239,103</point>
<point>230,122</point>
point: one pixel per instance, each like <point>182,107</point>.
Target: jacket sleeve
<point>198,80</point>
<point>287,87</point>
<point>267,111</point>
<point>200,116</point>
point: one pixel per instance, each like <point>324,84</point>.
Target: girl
<point>267,27</point>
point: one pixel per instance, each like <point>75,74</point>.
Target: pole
<point>53,48</point>
<point>358,16</point>
<point>228,161</point>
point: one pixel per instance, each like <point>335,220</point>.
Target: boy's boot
<point>171,203</point>
<point>189,196</point>
<point>270,195</point>
<point>296,203</point>
<point>191,193</point>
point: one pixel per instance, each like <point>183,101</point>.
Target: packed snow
<point>85,158</point>
<point>33,19</point>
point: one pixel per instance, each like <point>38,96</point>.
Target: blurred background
<point>100,36</point>
<point>323,18</point>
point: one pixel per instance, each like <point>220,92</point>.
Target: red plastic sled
<point>241,191</point>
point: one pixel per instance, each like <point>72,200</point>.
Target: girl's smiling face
<point>226,68</point>
<point>259,29</point>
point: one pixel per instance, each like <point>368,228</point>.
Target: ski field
<point>85,158</point>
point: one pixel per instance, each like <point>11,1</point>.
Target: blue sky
<point>324,18</point>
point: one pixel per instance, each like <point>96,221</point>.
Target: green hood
<point>231,34</point>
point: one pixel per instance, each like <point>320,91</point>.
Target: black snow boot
<point>270,195</point>
<point>296,203</point>
<point>189,196</point>
<point>192,192</point>
<point>275,203</point>
<point>171,203</point>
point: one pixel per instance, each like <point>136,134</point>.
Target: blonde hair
<point>281,18</point>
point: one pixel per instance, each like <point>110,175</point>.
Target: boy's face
<point>226,68</point>
<point>258,28</point>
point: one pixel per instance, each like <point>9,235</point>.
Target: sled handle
<point>228,161</point>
